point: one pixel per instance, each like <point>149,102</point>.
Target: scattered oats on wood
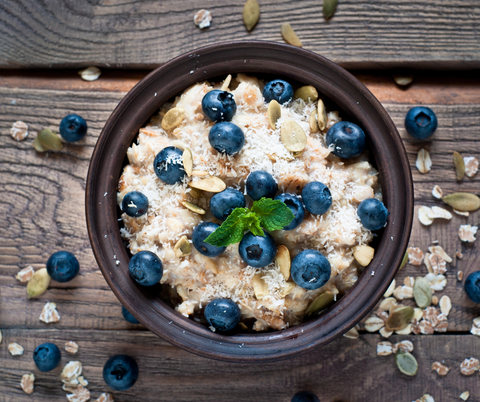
<point>405,346</point>
<point>27,383</point>
<point>384,348</point>
<point>437,192</point>
<point>434,300</point>
<point>390,289</point>
<point>415,256</point>
<point>409,281</point>
<point>440,368</point>
<point>352,334</point>
<point>424,327</point>
<point>469,366</point>
<point>423,212</point>
<point>81,394</point>
<point>373,323</point>
<point>459,275</point>
<point>82,381</point>
<point>462,213</point>
<point>423,163</point>
<point>71,347</point>
<point>467,233</point>
<point>15,349</point>
<point>464,395</point>
<point>403,292</point>
<point>403,80</point>
<point>475,326</point>
<point>439,213</point>
<point>202,18</point>
<point>426,398</point>
<point>437,263</point>
<point>385,332</point>
<point>71,371</point>
<point>290,36</point>
<point>445,305</point>
<point>405,331</point>
<point>70,386</point>
<point>417,313</point>
<point>386,304</point>
<point>437,282</point>
<point>105,397</point>
<point>25,274</point>
<point>19,130</point>
<point>49,313</point>
<point>471,165</point>
<point>90,73</point>
<point>381,314</point>
<point>438,250</point>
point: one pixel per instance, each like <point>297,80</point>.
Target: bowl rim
<point>288,61</point>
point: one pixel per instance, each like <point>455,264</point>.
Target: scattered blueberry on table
<point>278,90</point>
<point>200,233</point>
<point>257,251</point>
<point>472,286</point>
<point>317,198</point>
<point>295,204</point>
<point>261,184</point>
<point>222,314</point>
<point>347,138</point>
<point>421,122</point>
<point>222,204</point>
<point>73,128</point>
<point>226,138</point>
<point>129,317</point>
<point>46,356</point>
<point>310,269</point>
<point>372,213</point>
<point>62,266</point>
<point>135,204</point>
<point>219,105</point>
<point>146,268</point>
<point>168,165</point>
<point>305,396</point>
<point>120,372</point>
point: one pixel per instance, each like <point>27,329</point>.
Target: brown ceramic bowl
<point>258,58</point>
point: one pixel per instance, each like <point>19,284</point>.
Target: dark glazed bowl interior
<point>256,58</point>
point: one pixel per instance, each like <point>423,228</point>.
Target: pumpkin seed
<point>399,317</point>
<point>290,36</point>
<point>173,118</point>
<point>405,260</point>
<point>287,288</point>
<point>49,140</point>
<point>193,207</point>
<point>293,136</point>
<point>313,122</point>
<point>211,184</point>
<point>183,247</point>
<point>188,161</point>
<point>363,254</point>
<point>459,165</point>
<point>465,202</point>
<point>283,260</point>
<point>422,292</point>
<point>329,7</point>
<point>274,112</point>
<point>306,93</point>
<point>406,363</point>
<point>321,115</point>
<point>196,193</point>
<point>251,14</point>
<point>38,146</point>
<point>321,302</point>
<point>38,283</point>
<point>403,80</point>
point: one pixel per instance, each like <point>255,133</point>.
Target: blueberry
<point>120,372</point>
<point>296,206</point>
<point>200,233</point>
<point>347,138</point>
<point>226,138</point>
<point>129,317</point>
<point>135,204</point>
<point>257,251</point>
<point>62,266</point>
<point>372,214</point>
<point>278,90</point>
<point>472,286</point>
<point>305,396</point>
<point>219,105</point>
<point>46,356</point>
<point>310,269</point>
<point>146,268</point>
<point>168,165</point>
<point>222,314</point>
<point>261,184</point>
<point>222,204</point>
<point>73,128</point>
<point>421,122</point>
<point>317,197</point>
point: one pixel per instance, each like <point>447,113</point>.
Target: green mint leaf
<point>231,231</point>
<point>273,214</point>
<point>252,223</point>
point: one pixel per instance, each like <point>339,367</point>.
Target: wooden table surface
<point>42,209</point>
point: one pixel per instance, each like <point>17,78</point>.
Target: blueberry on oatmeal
<point>120,372</point>
<point>62,266</point>
<point>305,396</point>
<point>421,122</point>
<point>168,165</point>
<point>219,105</point>
<point>261,184</point>
<point>317,197</point>
<point>146,268</point>
<point>347,139</point>
<point>372,213</point>
<point>472,286</point>
<point>128,316</point>
<point>73,128</point>
<point>226,138</point>
<point>135,204</point>
<point>278,90</point>
<point>310,269</point>
<point>222,204</point>
<point>222,314</point>
<point>257,251</point>
<point>200,233</point>
<point>295,204</point>
<point>46,356</point>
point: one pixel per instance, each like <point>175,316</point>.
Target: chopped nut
<point>445,305</point>
<point>352,334</point>
<point>460,275</point>
<point>467,233</point>
<point>49,313</point>
<point>471,165</point>
<point>405,346</point>
<point>363,254</point>
<point>403,292</point>
<point>437,192</point>
<point>27,383</point>
<point>440,368</point>
<point>25,274</point>
<point>385,332</point>
<point>19,131</point>
<point>15,349</point>
<point>202,18</point>
<point>81,394</point>
<point>469,366</point>
<point>90,73</point>
<point>71,347</point>
<point>384,348</point>
<point>434,300</point>
<point>390,289</point>
<point>423,163</point>
<point>105,397</point>
<point>373,323</point>
<point>440,252</point>
<point>437,264</point>
<point>423,212</point>
<point>464,395</point>
<point>439,213</point>
<point>415,256</point>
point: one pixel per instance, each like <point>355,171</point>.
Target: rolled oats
<point>105,397</point>
<point>405,331</point>
<point>426,398</point>
<point>382,314</point>
<point>460,275</point>
<point>90,73</point>
<point>423,212</point>
<point>464,395</point>
<point>202,18</point>
<point>445,305</point>
<point>390,289</point>
<point>415,256</point>
<point>15,349</point>
<point>403,292</point>
<point>439,213</point>
<point>437,282</point>
<point>27,383</point>
<point>71,347</point>
<point>417,313</point>
<point>471,165</point>
<point>438,250</point>
<point>385,332</point>
<point>409,281</point>
<point>384,348</point>
<point>475,327</point>
<point>440,368</point>
<point>81,394</point>
<point>467,233</point>
<point>424,327</point>
<point>25,274</point>
<point>386,304</point>
<point>437,192</point>
<point>352,334</point>
<point>374,323</point>
<point>462,213</point>
<point>469,366</point>
<point>437,263</point>
<point>49,313</point>
<point>19,130</point>
<point>459,255</point>
<point>423,163</point>
<point>71,371</point>
<point>404,346</point>
<point>82,381</point>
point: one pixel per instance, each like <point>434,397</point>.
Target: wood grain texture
<point>139,33</point>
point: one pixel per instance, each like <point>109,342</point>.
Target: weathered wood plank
<point>113,33</point>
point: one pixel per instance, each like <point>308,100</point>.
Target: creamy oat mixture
<point>274,302</point>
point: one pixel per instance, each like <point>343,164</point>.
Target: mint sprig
<point>265,213</point>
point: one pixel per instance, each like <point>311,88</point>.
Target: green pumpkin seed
<point>49,140</point>
<point>211,184</point>
<point>193,207</point>
<point>188,161</point>
<point>422,292</point>
<point>38,283</point>
<point>321,115</point>
<point>321,302</point>
<point>406,363</point>
<point>183,247</point>
<point>329,7</point>
<point>465,202</point>
<point>459,165</point>
<point>399,317</point>
<point>290,36</point>
<point>274,112</point>
<point>173,118</point>
<point>312,122</point>
<point>403,80</point>
<point>293,136</point>
<point>196,193</point>
<point>405,260</point>
<point>306,93</point>
<point>251,14</point>
<point>38,146</point>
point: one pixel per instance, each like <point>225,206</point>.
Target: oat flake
<point>404,346</point>
<point>437,263</point>
<point>467,233</point>
<point>202,18</point>
<point>464,395</point>
<point>105,397</point>
<point>81,394</point>
<point>71,371</point>
<point>71,347</point>
<point>471,165</point>
<point>25,274</point>
<point>440,368</point>
<point>90,73</point>
<point>19,130</point>
<point>49,313</point>
<point>475,327</point>
<point>15,349</point>
<point>27,383</point>
<point>437,192</point>
<point>415,256</point>
<point>469,366</point>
